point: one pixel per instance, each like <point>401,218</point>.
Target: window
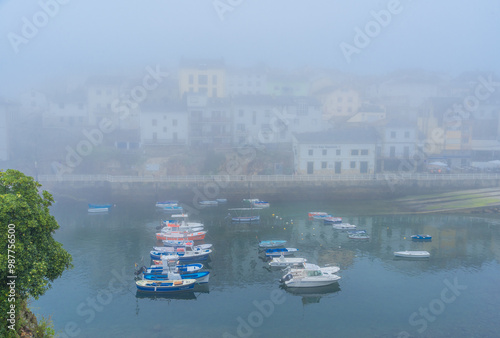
<point>364,152</point>
<point>154,122</point>
<point>323,165</point>
<point>254,118</point>
<point>240,127</point>
<point>214,92</point>
<point>353,165</point>
<point>392,152</point>
<point>310,152</point>
<point>393,134</point>
<point>339,99</point>
<point>203,90</point>
<point>349,99</point>
<point>354,152</point>
<point>174,123</point>
<point>337,152</point>
<point>98,92</point>
<point>241,112</point>
<point>202,79</point>
<point>214,79</point>
<point>191,79</point>
<point>164,129</point>
<point>323,152</point>
<point>407,134</point>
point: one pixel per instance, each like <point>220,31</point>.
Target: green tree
<point>36,259</point>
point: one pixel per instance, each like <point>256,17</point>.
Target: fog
<point>54,47</point>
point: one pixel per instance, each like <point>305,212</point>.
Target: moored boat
<point>332,220</point>
<point>165,286</point>
<point>358,236</point>
<point>200,277</point>
<point>412,254</point>
<point>343,226</point>
<point>272,243</point>
<point>193,236</point>
<point>283,261</point>
<point>310,275</point>
<point>421,237</point>
<point>276,252</point>
<point>98,210</point>
<point>311,214</point>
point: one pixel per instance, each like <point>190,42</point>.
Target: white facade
<point>335,153</point>
<point>162,127</point>
<point>267,120</point>
<point>399,142</point>
<point>246,82</point>
<point>65,115</point>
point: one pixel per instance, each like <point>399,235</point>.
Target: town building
<point>203,77</point>
<point>343,151</point>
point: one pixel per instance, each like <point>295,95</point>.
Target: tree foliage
<point>39,259</point>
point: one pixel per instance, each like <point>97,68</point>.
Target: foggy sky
<point>116,35</point>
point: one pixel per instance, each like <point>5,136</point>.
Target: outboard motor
<point>286,278</point>
<point>140,270</point>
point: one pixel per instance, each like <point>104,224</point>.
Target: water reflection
<point>312,295</point>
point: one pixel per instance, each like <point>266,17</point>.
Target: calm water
<point>455,293</point>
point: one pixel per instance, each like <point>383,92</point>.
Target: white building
<point>346,151</point>
<point>398,145</point>
<point>210,121</point>
<point>66,111</point>
<point>251,81</point>
<point>268,119</point>
<point>164,124</point>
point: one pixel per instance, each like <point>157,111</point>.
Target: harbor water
<point>454,293</point>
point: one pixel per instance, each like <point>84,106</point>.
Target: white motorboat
<point>283,261</point>
<point>412,254</point>
<point>310,275</point>
<point>343,226</point>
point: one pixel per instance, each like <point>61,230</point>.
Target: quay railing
<point>267,178</point>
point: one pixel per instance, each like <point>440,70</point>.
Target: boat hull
<point>165,286</point>
<point>412,254</point>
<point>200,277</point>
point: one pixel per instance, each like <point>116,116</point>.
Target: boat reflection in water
<point>314,294</point>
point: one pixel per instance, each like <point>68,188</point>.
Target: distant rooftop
<point>342,135</point>
<point>202,63</point>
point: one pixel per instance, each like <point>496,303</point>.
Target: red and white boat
<point>311,214</point>
<point>179,236</point>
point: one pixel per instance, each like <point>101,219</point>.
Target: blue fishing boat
<point>421,237</point>
<point>200,277</point>
<point>277,252</point>
<point>159,269</point>
<point>93,206</point>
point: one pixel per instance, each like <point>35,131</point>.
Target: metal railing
<point>268,178</point>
